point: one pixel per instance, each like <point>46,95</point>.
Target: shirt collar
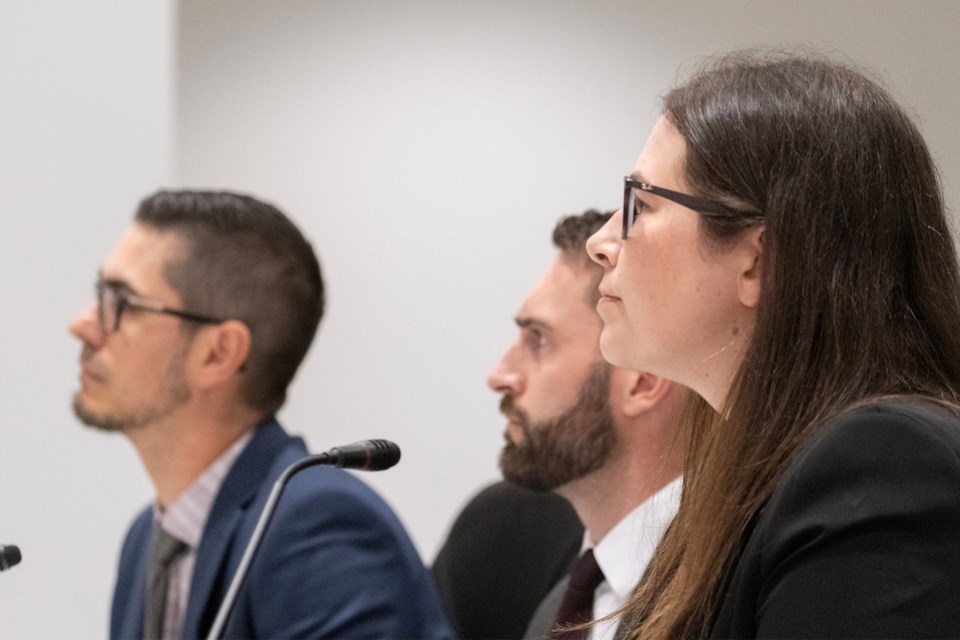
<point>626,550</point>
<point>185,518</point>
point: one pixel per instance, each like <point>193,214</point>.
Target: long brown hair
<point>860,290</point>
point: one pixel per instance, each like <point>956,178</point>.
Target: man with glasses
<point>203,313</point>
<point>603,437</point>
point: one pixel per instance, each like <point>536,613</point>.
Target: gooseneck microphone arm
<point>369,455</point>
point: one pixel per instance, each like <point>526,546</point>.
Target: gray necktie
<point>163,549</point>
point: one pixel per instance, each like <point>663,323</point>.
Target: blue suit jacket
<point>334,562</point>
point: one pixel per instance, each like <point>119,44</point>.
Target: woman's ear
<point>751,267</point>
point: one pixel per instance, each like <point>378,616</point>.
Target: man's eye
<point>533,339</point>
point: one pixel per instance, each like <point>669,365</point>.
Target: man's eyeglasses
<point>630,212</point>
<point>111,304</point>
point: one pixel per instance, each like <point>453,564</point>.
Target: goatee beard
<point>101,423</point>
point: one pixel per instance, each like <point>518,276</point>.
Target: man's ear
<point>219,352</point>
<point>637,392</point>
<point>751,267</point>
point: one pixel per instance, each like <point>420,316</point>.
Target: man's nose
<point>86,326</point>
<point>505,378</point>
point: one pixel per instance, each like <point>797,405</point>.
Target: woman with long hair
<point>783,250</point>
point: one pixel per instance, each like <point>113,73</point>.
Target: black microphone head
<point>385,455</point>
<point>9,556</point>
<point>368,455</point>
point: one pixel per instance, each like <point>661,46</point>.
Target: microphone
<point>10,553</point>
<point>367,455</point>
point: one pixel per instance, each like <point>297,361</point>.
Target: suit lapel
<point>541,624</point>
<point>129,593</point>
<point>220,541</point>
<point>133,625</point>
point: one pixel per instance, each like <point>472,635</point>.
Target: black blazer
<point>861,537</point>
<point>505,551</point>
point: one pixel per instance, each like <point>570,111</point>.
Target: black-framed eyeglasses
<point>111,304</point>
<point>700,205</point>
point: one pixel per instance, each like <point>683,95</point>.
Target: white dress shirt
<point>625,552</point>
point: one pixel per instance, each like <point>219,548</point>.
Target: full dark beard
<point>558,451</point>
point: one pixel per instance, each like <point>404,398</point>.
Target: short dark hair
<point>570,237</point>
<point>243,259</point>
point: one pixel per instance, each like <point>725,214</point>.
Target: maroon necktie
<point>577,605</point>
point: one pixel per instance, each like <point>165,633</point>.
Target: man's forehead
<point>139,258</point>
<point>143,240</point>
<point>561,296</point>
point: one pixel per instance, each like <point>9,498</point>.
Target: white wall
<point>85,130</point>
<point>426,147</point>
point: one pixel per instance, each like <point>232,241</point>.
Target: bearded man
<point>603,437</point>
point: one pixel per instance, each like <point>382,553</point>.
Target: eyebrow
<point>636,175</point>
<point>526,322</point>
<point>120,285</point>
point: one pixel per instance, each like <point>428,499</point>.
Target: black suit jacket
<point>541,624</point>
<point>861,538</point>
<point>505,551</point>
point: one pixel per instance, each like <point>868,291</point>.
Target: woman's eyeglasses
<point>631,186</point>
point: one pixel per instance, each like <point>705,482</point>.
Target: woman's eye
<point>639,206</point>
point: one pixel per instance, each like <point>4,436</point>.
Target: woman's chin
<point>614,348</point>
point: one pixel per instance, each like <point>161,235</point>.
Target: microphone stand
<point>376,455</point>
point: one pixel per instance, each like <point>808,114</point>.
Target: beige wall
<point>426,147</point>
<point>86,99</point>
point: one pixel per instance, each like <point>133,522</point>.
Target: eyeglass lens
<point>629,209</point>
<point>108,307</point>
